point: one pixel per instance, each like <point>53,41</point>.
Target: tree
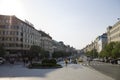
<point>111,50</point>
<point>93,53</point>
<point>44,54</point>
<point>103,53</point>
<point>34,51</point>
<point>87,53</point>
<point>2,51</point>
<point>59,54</point>
<point>116,50</point>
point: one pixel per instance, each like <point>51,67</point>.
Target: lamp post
<point>51,52</point>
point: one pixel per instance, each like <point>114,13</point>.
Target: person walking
<point>66,62</point>
<point>88,61</point>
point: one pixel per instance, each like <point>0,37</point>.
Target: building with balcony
<point>17,36</point>
<point>46,41</point>
<point>113,32</point>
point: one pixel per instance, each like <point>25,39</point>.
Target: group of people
<point>68,60</point>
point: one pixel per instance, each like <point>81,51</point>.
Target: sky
<point>75,22</point>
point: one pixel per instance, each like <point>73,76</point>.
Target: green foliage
<point>60,54</point>
<point>44,54</point>
<point>49,61</point>
<point>103,53</point>
<point>34,51</point>
<point>48,65</point>
<point>2,51</point>
<point>93,53</point>
<point>111,50</point>
<point>116,50</point>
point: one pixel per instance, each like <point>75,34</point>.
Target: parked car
<point>114,61</point>
<point>118,61</point>
<point>74,61</point>
<point>96,59</point>
<point>80,60</point>
<point>101,60</point>
<point>2,60</point>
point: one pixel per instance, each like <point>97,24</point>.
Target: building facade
<point>46,41</point>
<point>17,36</point>
<point>58,46</point>
<point>61,47</point>
<point>98,44</point>
<point>113,32</point>
<point>101,42</point>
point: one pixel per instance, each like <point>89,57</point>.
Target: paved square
<point>71,72</point>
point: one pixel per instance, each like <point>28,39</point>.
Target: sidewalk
<point>77,72</point>
<point>71,72</point>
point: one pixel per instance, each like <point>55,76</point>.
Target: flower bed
<point>45,64</point>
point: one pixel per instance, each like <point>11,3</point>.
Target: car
<point>118,61</point>
<point>114,61</point>
<point>2,60</point>
<point>96,59</point>
<point>80,60</point>
<point>74,61</point>
<point>101,60</point>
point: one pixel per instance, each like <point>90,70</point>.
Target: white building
<point>46,41</point>
<point>102,41</point>
<point>17,36</point>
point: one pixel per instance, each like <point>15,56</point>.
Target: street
<point>71,72</point>
<point>111,70</point>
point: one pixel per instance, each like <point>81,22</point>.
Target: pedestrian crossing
<point>91,64</point>
<point>86,64</point>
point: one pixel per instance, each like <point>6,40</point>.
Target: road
<point>71,72</point>
<point>108,69</point>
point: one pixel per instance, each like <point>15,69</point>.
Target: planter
<point>44,66</point>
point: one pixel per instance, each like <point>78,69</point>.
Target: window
<point>0,39</point>
<point>2,26</point>
<point>3,32</point>
<point>17,33</point>
<point>21,39</point>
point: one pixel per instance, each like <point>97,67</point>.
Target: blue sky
<point>75,22</point>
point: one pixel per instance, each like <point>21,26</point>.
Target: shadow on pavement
<point>21,71</point>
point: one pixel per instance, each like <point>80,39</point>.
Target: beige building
<point>98,44</point>
<point>16,35</point>
<point>46,41</point>
<point>113,32</point>
<point>90,47</point>
<point>59,46</point>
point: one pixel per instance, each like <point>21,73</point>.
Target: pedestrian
<point>76,60</point>
<point>70,61</point>
<point>88,61</point>
<point>66,62</point>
